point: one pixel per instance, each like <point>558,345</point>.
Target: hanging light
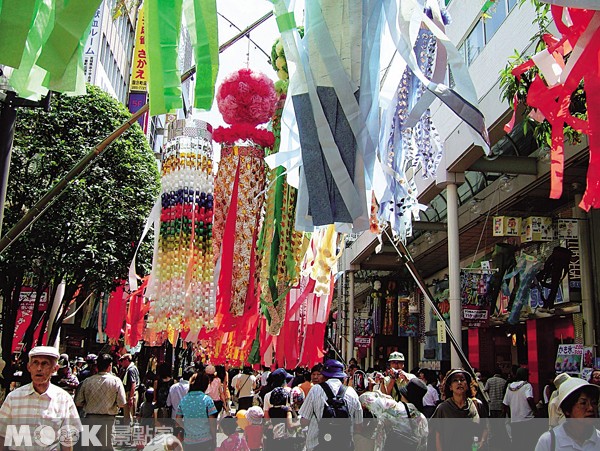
<point>506,184</point>
<point>429,237</point>
<point>544,155</point>
<point>475,206</point>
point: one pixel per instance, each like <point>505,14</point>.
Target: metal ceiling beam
<point>506,165</point>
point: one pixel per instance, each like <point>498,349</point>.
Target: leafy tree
<point>87,237</point>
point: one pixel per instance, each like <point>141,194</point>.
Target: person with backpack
<point>330,410</point>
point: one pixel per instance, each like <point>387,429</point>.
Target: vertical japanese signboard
<point>92,48</point>
<point>25,314</point>
<point>139,73</point>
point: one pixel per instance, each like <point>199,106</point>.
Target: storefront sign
<point>538,228</point>
<point>441,332</point>
<point>363,342</point>
<point>139,71</point>
<point>568,228</point>
<point>574,264</point>
<point>92,48</point>
<point>507,226</point>
<point>569,359</point>
<point>474,301</point>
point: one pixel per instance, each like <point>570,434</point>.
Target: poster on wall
<point>569,359</point>
<point>473,289</point>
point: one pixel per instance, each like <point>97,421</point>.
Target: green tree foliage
<point>88,236</point>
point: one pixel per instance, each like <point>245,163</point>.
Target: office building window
<point>497,13</point>
<point>475,42</point>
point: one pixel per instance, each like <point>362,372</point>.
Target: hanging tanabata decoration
<point>301,340</point>
<point>550,91</point>
<point>280,244</point>
<point>181,285</point>
<point>245,99</point>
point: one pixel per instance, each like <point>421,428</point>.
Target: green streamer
<point>16,18</point>
<point>29,80</point>
<point>201,18</point>
<point>163,25</point>
<point>286,22</point>
<point>72,20</point>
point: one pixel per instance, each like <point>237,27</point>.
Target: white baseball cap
<point>48,351</point>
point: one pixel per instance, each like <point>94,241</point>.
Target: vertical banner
<point>475,305</point>
<point>92,48</point>
<point>25,313</point>
<point>139,72</point>
<point>138,83</point>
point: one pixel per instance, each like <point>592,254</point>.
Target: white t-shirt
<point>516,398</point>
<point>431,397</point>
<point>564,442</point>
<point>244,384</point>
<point>313,408</point>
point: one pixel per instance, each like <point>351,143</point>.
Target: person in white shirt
<point>519,402</point>
<point>243,385</point>
<point>311,411</point>
<point>578,400</point>
<point>179,390</point>
<point>396,376</point>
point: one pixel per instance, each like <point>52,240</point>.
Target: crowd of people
<point>330,406</point>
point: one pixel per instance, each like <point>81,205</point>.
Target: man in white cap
<point>48,410</point>
<point>578,400</point>
<point>396,376</point>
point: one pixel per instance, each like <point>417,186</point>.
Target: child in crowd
<point>147,408</point>
<point>254,430</point>
<point>234,441</point>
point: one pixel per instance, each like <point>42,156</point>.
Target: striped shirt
<point>101,394</point>
<point>25,406</point>
<point>312,409</point>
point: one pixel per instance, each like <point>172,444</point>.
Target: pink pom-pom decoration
<point>246,97</point>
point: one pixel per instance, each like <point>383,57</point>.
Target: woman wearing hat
<point>578,400</point>
<point>459,403</point>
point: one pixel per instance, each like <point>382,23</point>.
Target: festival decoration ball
<point>246,97</point>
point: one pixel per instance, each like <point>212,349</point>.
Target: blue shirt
<point>195,408</point>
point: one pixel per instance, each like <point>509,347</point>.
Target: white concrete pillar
<point>454,271</point>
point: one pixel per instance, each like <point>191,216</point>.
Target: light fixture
<point>506,184</point>
<point>429,237</point>
<point>544,155</point>
<point>475,206</point>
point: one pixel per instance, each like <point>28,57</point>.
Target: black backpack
<point>335,431</point>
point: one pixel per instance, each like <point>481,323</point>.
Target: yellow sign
<point>441,331</point>
<point>139,71</point>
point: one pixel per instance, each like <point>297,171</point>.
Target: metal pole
<point>8,117</point>
<point>350,315</point>
<point>412,269</point>
<point>454,270</point>
<point>587,275</point>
